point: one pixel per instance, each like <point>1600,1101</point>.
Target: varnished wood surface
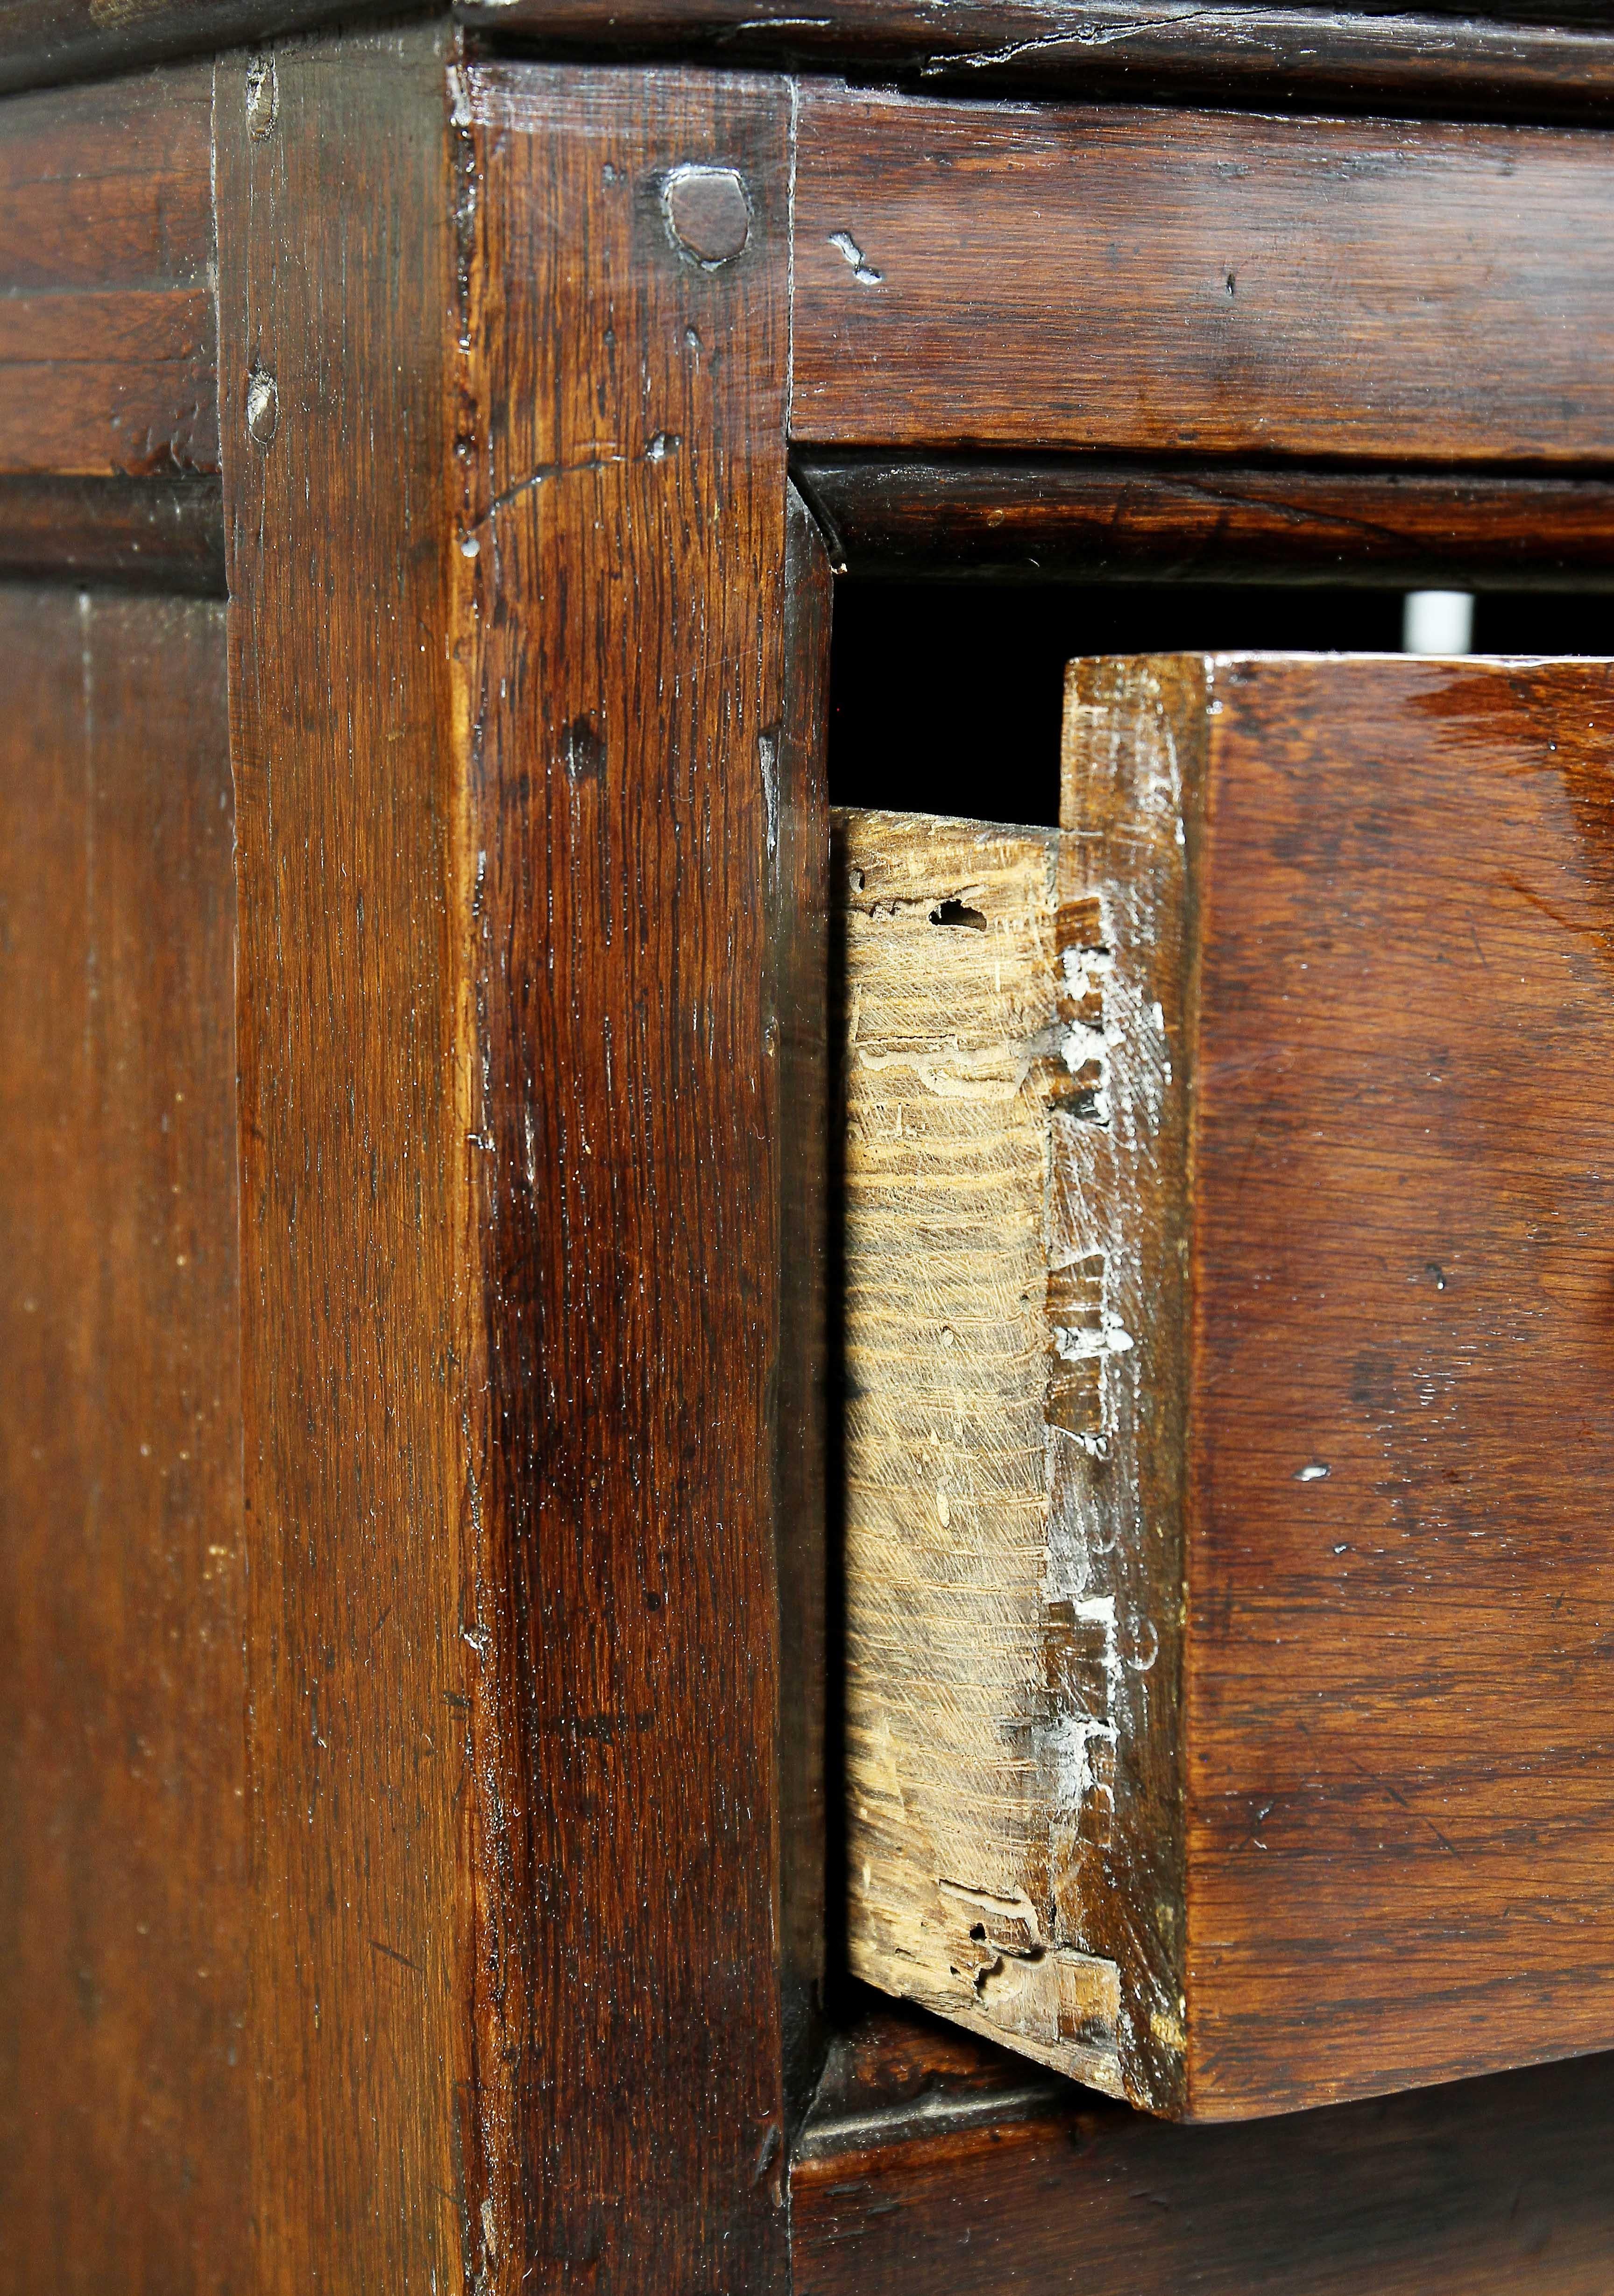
<point>520,966</point>
<point>1392,58</point>
<point>361,1616</point>
<point>107,356</point>
<point>799,933</point>
<point>46,41</point>
<point>123,2055</point>
<point>1093,518</point>
<point>933,2167</point>
<point>1535,57</point>
<point>1400,1821</point>
<point>970,275</point>
<point>142,534</point>
<point>634,860</point>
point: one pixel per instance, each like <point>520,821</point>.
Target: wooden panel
<point>932,2169</point>
<point>1089,519</point>
<point>992,276</point>
<point>627,820</point>
<point>107,359</point>
<point>146,533</point>
<point>1401,1822</point>
<point>1313,56</point>
<point>361,1601</point>
<point>122,1836</point>
<point>1013,1187</point>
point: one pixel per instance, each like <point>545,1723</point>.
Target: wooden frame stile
<point>526,1007</point>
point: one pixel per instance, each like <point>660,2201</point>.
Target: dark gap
<point>947,697</point>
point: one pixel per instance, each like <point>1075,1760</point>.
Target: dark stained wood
<point>801,905</point>
<point>107,356</point>
<point>42,41</point>
<point>1091,518</point>
<point>336,278</point>
<point>1535,57</point>
<point>123,2057</point>
<point>1400,1857</point>
<point>140,534</point>
<point>1562,64</point>
<point>521,826</point>
<point>995,277</point>
<point>933,2167</point>
<point>635,851</point>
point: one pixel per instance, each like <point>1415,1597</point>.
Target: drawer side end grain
<point>999,1652</point>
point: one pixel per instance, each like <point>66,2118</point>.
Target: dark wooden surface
<point>336,278</point>
<point>520,835</point>
<point>45,41</point>
<point>799,871</point>
<point>1328,57</point>
<point>992,276</point>
<point>1536,57</point>
<point>145,534</point>
<point>628,818</point>
<point>107,359</point>
<point>1400,1817</point>
<point>1093,518</point>
<point>932,2166</point>
<point>123,2055</point>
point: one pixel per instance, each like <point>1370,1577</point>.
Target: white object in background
<point>1437,621</point>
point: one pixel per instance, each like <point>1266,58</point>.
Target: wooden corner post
<point>503,354</point>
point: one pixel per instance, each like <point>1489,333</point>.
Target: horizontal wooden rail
<point>125,534</point>
<point>996,277</point>
<point>108,358</point>
<point>46,41</point>
<point>1476,60</point>
<point>1277,54</point>
<point>932,2166</point>
<point>1091,518</point>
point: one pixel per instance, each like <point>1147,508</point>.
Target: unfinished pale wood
<point>1009,1109</point>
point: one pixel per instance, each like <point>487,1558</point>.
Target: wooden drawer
<point>1230,1371</point>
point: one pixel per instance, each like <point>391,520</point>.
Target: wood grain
<point>521,838</point>
<point>1537,58</point>
<point>1013,1204</point>
<point>1353,1833</point>
<point>1147,282</point>
<point>1562,64</point>
<point>144,534</point>
<point>1091,518</point>
<point>336,278</point>
<point>936,2168</point>
<point>635,856</point>
<point>46,41</point>
<point>123,2103</point>
<point>107,334</point>
<point>1400,1829</point>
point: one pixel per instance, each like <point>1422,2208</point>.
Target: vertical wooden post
<point>336,284</point>
<point>624,543</point>
<point>503,359</point>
